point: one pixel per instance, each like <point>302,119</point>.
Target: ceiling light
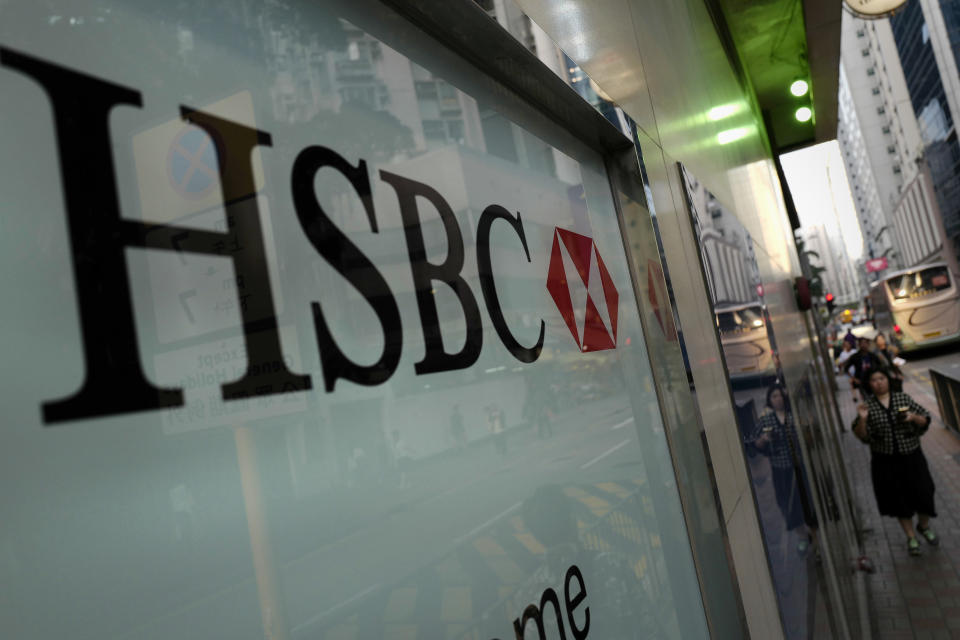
<point>803,114</point>
<point>799,88</point>
<point>723,111</point>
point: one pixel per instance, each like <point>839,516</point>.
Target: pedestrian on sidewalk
<point>887,355</point>
<point>847,351</point>
<point>892,422</point>
<point>457,429</point>
<point>858,367</point>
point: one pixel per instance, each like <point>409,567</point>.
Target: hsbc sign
<point>115,383</point>
<point>580,285</point>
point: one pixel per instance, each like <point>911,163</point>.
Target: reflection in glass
<point>781,482</point>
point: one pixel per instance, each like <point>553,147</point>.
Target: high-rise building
<point>896,176</point>
<point>927,41</point>
<point>863,187</point>
<point>878,132</point>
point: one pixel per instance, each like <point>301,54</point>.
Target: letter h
<point>114,381</point>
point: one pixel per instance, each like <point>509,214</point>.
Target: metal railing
<point>947,389</point>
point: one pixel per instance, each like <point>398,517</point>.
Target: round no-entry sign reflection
<point>192,163</point>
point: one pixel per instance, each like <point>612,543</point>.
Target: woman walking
<point>892,422</point>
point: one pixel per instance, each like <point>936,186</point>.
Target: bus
<point>746,345</point>
<point>918,307</point>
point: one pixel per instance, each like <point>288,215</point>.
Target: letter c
<point>485,269</point>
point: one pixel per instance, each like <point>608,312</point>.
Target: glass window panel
<point>398,501</point>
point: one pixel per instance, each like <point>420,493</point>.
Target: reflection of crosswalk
<point>486,576</point>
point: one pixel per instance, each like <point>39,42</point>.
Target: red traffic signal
<point>828,297</point>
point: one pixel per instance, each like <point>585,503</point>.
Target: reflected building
<point>838,278</point>
<point>421,126</point>
<point>729,261</point>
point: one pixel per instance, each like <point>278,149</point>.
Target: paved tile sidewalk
<point>911,597</point>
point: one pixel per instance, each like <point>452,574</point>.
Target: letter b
<point>425,273</point>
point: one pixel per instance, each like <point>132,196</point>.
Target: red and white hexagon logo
<point>583,291</point>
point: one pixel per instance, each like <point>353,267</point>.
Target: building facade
<point>926,43</point>
<point>878,134</point>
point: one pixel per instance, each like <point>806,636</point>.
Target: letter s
<point>351,263</point>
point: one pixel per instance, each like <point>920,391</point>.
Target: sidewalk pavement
<point>917,598</point>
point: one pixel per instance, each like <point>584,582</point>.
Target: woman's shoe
<point>913,546</point>
<point>928,535</point>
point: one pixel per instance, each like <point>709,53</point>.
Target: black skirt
<point>902,484</point>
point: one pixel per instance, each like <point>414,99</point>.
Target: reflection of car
<point>918,307</point>
<point>746,345</point>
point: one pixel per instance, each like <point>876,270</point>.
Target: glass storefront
<point>788,432</point>
<point>316,331</point>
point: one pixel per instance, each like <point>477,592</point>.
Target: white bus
<point>918,307</point>
<point>746,345</point>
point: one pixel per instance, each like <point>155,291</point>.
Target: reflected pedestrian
<point>544,421</point>
<point>892,422</point>
<point>495,420</point>
<point>457,429</point>
<point>777,437</point>
<point>402,458</point>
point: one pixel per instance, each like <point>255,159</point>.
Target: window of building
<point>865,52</point>
<point>885,129</point>
<point>455,130</point>
<point>896,168</point>
<point>891,148</point>
<point>876,91</point>
<point>871,71</point>
<point>860,33</point>
<point>434,130</point>
<point>881,110</point>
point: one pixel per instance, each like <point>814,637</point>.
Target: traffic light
<point>830,303</point>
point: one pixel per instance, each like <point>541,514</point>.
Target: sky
<point>818,183</point>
